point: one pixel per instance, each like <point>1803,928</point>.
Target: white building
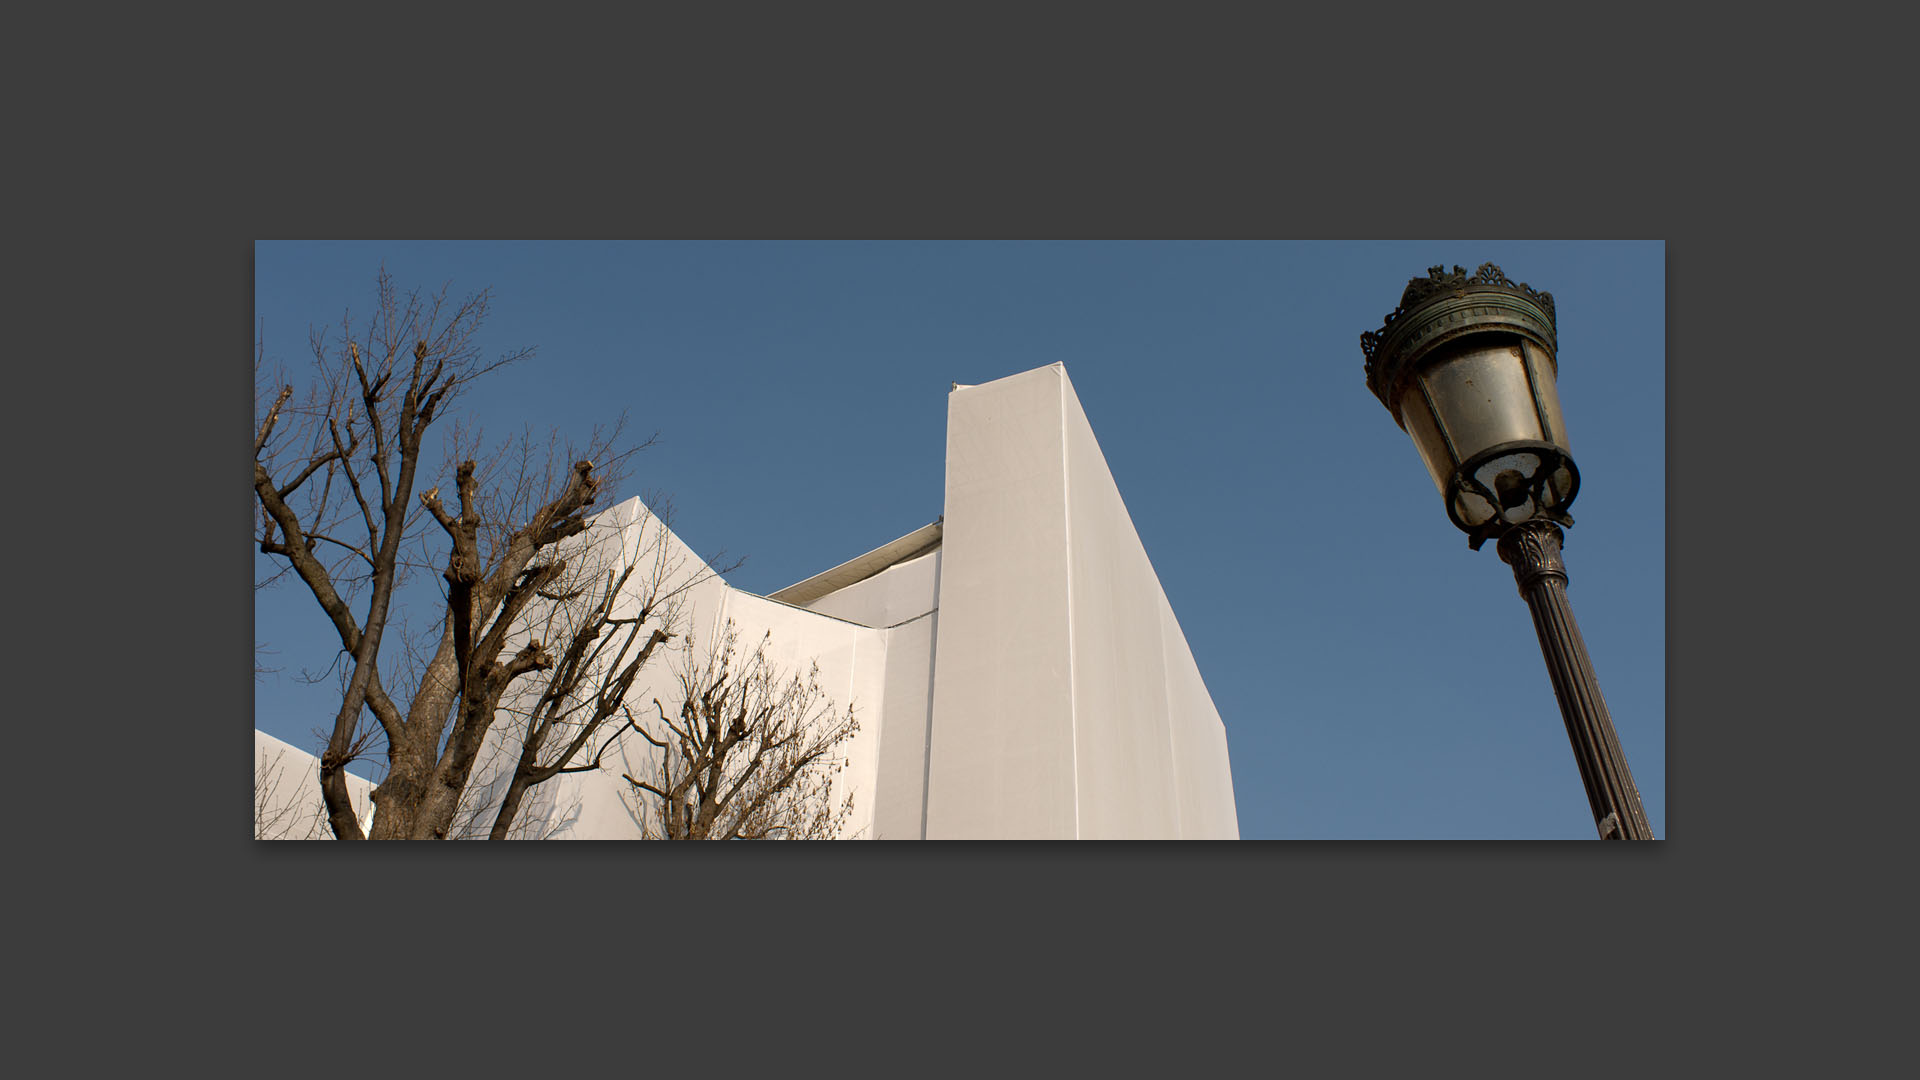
<point>1015,666</point>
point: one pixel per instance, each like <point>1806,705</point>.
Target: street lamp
<point>1466,364</point>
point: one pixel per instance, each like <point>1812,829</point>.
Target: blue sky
<point>1377,679</point>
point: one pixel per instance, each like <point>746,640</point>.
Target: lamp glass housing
<point>1484,414</point>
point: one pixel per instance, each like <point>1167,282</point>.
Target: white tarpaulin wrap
<point>1066,701</point>
<point>286,793</point>
<point>1015,667</point>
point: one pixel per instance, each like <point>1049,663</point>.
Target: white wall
<point>852,663</point>
<point>1066,701</point>
<point>894,595</point>
<point>900,768</point>
<point>286,796</point>
<point>1002,745</point>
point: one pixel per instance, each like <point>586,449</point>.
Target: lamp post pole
<point>1467,365</point>
<point>1533,550</point>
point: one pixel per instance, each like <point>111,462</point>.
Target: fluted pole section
<point>1533,550</point>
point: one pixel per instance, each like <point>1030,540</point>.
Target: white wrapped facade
<point>1015,667</point>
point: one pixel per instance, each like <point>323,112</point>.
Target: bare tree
<point>338,467</point>
<point>622,605</point>
<point>750,754</point>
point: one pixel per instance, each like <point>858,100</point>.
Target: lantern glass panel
<point>1514,479</point>
<point>1545,381</point>
<point>1480,391</point>
<point>1418,422</point>
<point>1472,509</point>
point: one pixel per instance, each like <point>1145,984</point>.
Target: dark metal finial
<point>1441,284</point>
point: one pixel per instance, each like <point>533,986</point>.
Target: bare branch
<point>755,752</point>
<point>273,414</point>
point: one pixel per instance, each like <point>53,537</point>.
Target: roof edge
<point>853,571</point>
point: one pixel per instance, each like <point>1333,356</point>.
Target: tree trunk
<point>397,799</point>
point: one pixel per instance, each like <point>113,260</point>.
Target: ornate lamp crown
<point>1402,337</point>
